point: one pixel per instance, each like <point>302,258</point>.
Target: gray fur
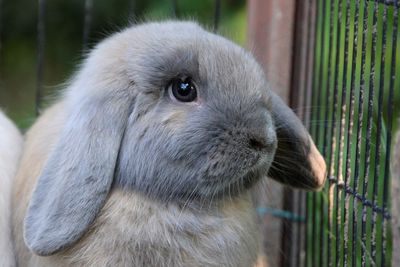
<point>209,155</point>
<point>78,175</point>
<point>134,137</point>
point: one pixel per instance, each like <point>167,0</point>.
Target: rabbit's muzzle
<point>240,157</point>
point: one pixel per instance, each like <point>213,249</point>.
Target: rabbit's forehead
<point>229,66</point>
<point>211,60</point>
<point>215,61</point>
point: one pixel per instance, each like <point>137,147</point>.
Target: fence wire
<point>87,21</point>
<point>40,54</point>
<point>353,56</point>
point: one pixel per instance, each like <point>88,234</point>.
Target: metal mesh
<point>40,54</point>
<point>353,54</point>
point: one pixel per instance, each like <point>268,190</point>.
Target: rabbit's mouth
<point>238,178</point>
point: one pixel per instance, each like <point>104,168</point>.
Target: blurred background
<point>64,34</point>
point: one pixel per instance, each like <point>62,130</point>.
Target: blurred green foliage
<point>64,22</point>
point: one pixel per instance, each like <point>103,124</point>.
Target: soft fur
<point>10,149</point>
<point>119,173</point>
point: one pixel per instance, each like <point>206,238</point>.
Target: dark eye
<point>183,90</point>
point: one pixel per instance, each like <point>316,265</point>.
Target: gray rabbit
<point>148,157</point>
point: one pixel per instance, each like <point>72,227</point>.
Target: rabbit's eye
<point>183,90</point>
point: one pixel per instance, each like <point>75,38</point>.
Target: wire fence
<point>351,59</point>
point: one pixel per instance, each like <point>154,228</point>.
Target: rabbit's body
<point>10,149</point>
<point>131,230</point>
<point>148,158</point>
<point>134,231</point>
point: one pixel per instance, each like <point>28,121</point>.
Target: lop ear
<point>297,161</point>
<point>74,184</point>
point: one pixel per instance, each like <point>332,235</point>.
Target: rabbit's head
<point>172,112</point>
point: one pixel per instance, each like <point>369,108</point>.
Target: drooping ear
<point>297,161</point>
<point>74,184</point>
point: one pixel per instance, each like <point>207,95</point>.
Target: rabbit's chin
<point>212,193</point>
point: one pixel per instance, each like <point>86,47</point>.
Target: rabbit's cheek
<point>174,120</point>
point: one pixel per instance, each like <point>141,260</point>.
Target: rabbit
<point>149,156</point>
<point>10,149</point>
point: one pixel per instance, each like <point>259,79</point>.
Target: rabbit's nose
<point>261,143</point>
<point>257,144</point>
